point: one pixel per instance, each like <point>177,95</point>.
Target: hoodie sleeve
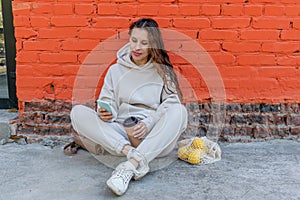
<point>167,101</point>
<point>108,93</point>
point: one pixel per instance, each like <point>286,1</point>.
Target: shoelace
<point>125,174</point>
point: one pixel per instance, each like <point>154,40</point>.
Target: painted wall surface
<point>250,50</point>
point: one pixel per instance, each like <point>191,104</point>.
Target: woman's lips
<point>136,54</point>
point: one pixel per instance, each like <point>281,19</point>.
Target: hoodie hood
<point>123,56</point>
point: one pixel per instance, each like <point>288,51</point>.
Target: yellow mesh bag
<point>198,150</point>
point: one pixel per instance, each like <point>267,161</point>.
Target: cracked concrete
<point>262,170</point>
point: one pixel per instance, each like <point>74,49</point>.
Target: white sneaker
<point>121,177</point>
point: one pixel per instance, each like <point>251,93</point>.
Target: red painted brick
<point>64,21</point>
<point>168,10</point>
<point>290,35</point>
<point>44,45</point>
<point>84,9</point>
<point>241,46</point>
<point>223,58</point>
<point>39,21</point>
<point>112,22</point>
<point>63,9</point>
<point>283,47</point>
<point>274,10</point>
<point>148,10</point>
<point>189,10</point>
<point>232,10</point>
<point>91,33</point>
<point>127,9</point>
<point>191,23</point>
<point>42,8</point>
<point>292,10</point>
<point>79,45</point>
<point>271,23</point>
<point>63,32</point>
<point>218,35</point>
<point>256,59</point>
<point>260,35</point>
<point>210,10</point>
<point>210,46</point>
<point>230,23</point>
<point>21,21</point>
<point>27,57</point>
<point>24,33</point>
<point>58,57</point>
<point>253,10</point>
<point>107,9</point>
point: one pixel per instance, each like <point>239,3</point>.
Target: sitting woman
<point>141,84</point>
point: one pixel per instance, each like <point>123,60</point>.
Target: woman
<point>142,84</point>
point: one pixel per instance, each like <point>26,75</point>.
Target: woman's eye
<point>144,43</point>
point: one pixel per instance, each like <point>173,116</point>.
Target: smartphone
<point>107,107</point>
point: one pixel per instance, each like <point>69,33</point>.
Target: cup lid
<point>130,121</point>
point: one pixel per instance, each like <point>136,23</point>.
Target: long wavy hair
<point>159,55</point>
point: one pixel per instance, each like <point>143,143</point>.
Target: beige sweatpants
<point>112,136</point>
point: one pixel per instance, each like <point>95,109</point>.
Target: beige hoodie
<point>135,90</point>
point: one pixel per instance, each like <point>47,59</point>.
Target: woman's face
<point>139,46</point>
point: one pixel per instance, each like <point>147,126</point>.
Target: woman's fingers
<point>140,130</point>
<point>104,115</point>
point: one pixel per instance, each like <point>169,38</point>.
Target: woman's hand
<point>140,130</point>
<point>104,115</point>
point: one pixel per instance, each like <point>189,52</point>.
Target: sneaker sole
<point>113,189</point>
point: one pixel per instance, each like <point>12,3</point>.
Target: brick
<point>25,33</point>
<point>230,23</point>
<point>253,10</point>
<point>210,46</point>
<point>168,10</point>
<point>260,35</point>
<point>274,10</point>
<point>241,46</point>
<point>283,47</point>
<point>288,60</point>
<point>218,34</point>
<point>58,57</point>
<point>296,23</point>
<point>127,9</point>
<point>63,8</point>
<point>271,23</point>
<point>191,23</point>
<point>26,57</point>
<point>256,59</point>
<point>107,9</point>
<point>190,10</point>
<point>293,120</point>
<point>84,9</point>
<point>210,10</point>
<point>60,32</point>
<point>223,58</point>
<point>91,33</point>
<point>39,21</point>
<point>42,8</point>
<point>232,10</point>
<point>292,10</point>
<point>21,8</point>
<point>21,21</point>
<point>148,10</point>
<point>290,35</point>
<point>111,22</point>
<point>62,21</point>
<point>44,45</point>
<point>79,45</point>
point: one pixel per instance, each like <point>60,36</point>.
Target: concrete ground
<point>262,170</point>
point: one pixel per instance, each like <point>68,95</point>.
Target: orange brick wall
<point>254,43</point>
